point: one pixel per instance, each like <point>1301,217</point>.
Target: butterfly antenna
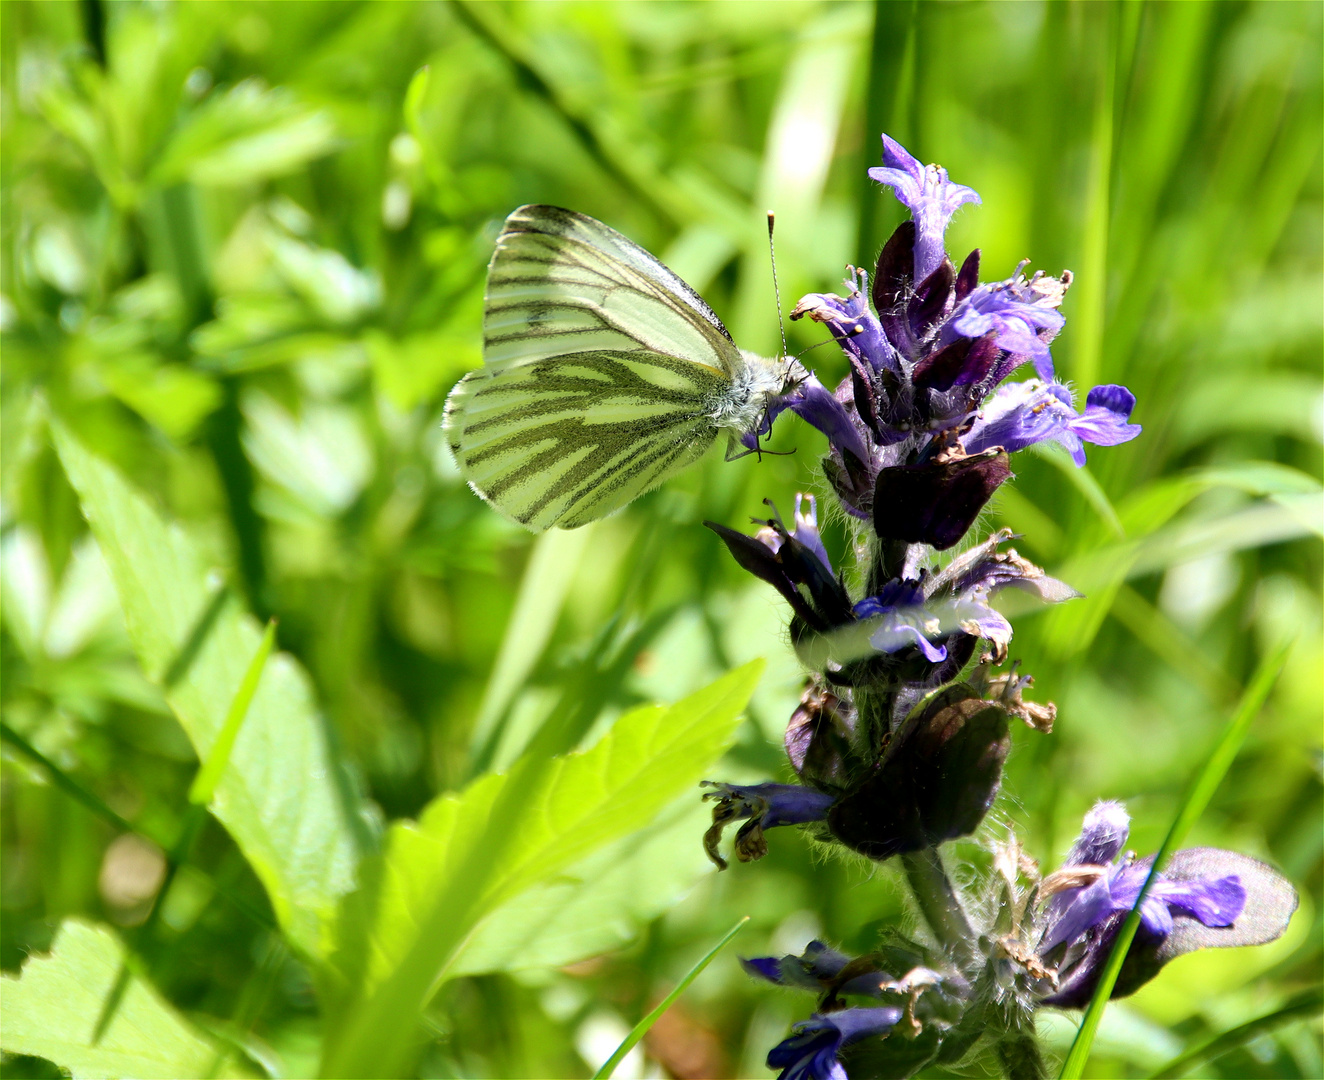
<point>776,289</point>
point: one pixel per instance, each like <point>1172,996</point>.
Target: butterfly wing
<point>603,373</point>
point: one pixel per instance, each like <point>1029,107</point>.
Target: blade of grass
<point>542,594</point>
<point>1197,798</point>
<point>204,784</point>
<point>498,35</point>
<point>1304,1005</point>
<point>641,1028</point>
<point>67,783</point>
<point>1084,482</point>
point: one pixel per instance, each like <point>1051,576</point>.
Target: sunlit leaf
<point>245,134</point>
<point>597,904</point>
<point>469,854</point>
<point>52,1011</point>
<point>282,797</point>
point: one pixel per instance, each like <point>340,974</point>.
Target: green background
<point>244,265</point>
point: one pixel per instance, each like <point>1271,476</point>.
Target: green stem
<point>940,906</point>
<point>1018,1053</point>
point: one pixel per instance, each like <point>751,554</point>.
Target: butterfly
<point>603,374</point>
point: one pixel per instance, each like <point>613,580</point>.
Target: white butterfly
<point>603,374</point>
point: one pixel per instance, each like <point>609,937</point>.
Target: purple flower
<point>819,737</point>
<point>1204,898</point>
<point>984,570</point>
<point>936,502</point>
<point>810,1051</point>
<point>936,779</point>
<point>766,806</point>
<point>1022,324</point>
<point>930,197</point>
<point>789,559</point>
<point>902,620</point>
<point>849,320</point>
<point>815,969</point>
<point>1022,414</point>
<point>1077,909</point>
<point>814,402</point>
<point>970,580</point>
<point>806,529</point>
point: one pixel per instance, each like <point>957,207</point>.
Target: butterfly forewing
<point>603,373</point>
<point>558,285</point>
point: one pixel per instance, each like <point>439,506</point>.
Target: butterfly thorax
<point>753,388</point>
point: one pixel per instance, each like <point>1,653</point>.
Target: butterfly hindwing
<point>567,440</point>
<point>603,374</point>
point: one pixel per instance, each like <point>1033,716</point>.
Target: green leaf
<point>469,854</point>
<point>282,797</point>
<point>1304,1005</point>
<point>1100,573</point>
<point>419,368</point>
<point>1084,481</point>
<point>1260,401</point>
<point>597,904</point>
<point>542,592</point>
<point>173,397</point>
<point>52,1008</point>
<point>204,784</point>
<point>250,133</point>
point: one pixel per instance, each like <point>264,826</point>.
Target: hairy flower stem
<point>940,906</point>
<point>1020,1058</point>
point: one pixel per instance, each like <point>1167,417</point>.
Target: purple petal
<point>1102,835</point>
<point>810,1051</point>
<point>1104,421</point>
<point>856,328</point>
<point>1155,918</point>
<point>930,197</point>
<point>764,967</point>
<point>982,621</point>
<point>893,595</point>
<point>823,960</point>
<point>813,402</point>
<point>896,633</point>
<point>1018,415</point>
<point>1080,911</point>
<point>1215,902</point>
<point>901,614</point>
<point>806,529</point>
<point>1020,326</point>
<point>936,503</point>
<point>861,1022</point>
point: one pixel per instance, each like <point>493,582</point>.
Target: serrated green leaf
<point>469,854</point>
<point>280,798</point>
<point>52,1010</point>
<point>597,904</point>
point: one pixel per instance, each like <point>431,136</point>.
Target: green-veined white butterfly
<point>603,374</point>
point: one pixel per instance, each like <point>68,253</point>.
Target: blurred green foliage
<point>243,262</point>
